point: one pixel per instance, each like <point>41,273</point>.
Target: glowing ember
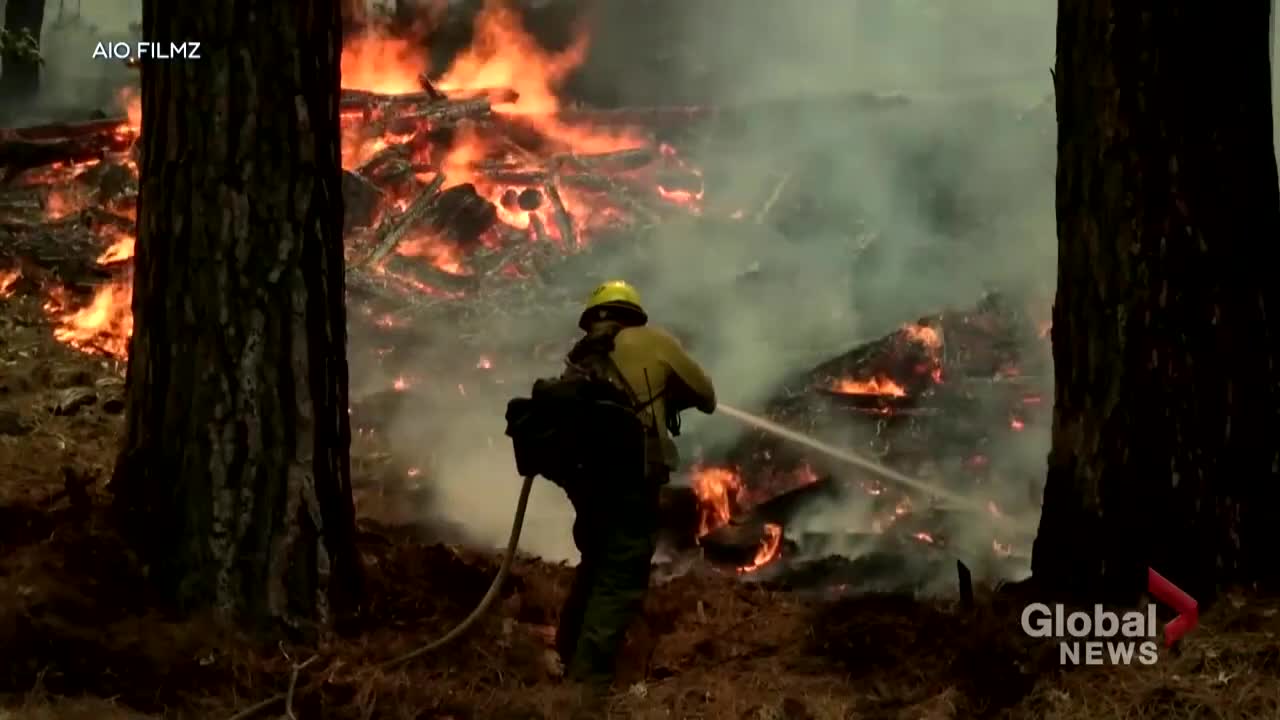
<point>717,490</point>
<point>7,280</point>
<point>770,544</point>
<point>484,363</point>
<point>924,537</point>
<point>103,326</point>
<point>401,384</point>
<point>59,205</point>
<point>1001,549</point>
<point>874,386</point>
<point>1016,424</point>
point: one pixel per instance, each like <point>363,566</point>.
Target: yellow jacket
<point>656,366</point>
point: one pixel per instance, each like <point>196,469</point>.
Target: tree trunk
<point>234,479</point>
<point>20,76</point>
<point>1166,429</point>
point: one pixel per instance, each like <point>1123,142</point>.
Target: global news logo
<point>1105,637</point>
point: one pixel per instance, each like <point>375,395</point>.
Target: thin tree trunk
<point>20,76</point>
<point>234,480</point>
<point>1166,430</point>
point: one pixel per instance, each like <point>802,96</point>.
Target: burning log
<point>398,151</point>
<point>447,112</point>
<point>56,131</point>
<point>619,161</point>
<point>462,215</point>
<point>539,230</point>
<point>17,156</point>
<point>564,222</point>
<point>393,231</point>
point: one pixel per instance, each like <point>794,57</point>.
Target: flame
<point>103,326</point>
<point>484,363</point>
<point>502,58</point>
<point>1016,424</point>
<point>130,100</point>
<point>717,490</point>
<point>931,339</point>
<point>7,280</point>
<point>439,253</point>
<point>503,55</point>
<point>924,335</point>
<point>379,63</point>
<point>401,384</point>
<point>121,249</point>
<point>770,544</point>
<point>875,386</point>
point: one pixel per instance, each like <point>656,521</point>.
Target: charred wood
<point>17,156</point>
<point>462,215</point>
<point>564,221</point>
<point>394,230</point>
<point>361,201</point>
<point>56,131</point>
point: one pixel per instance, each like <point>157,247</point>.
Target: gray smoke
<point>951,195</point>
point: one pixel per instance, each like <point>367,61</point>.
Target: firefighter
<point>617,520</point>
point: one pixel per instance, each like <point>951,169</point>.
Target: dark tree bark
<point>1166,430</point>
<point>20,76</point>
<point>234,480</point>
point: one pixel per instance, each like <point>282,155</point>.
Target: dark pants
<point>616,534</point>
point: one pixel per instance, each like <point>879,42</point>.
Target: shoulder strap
<point>596,350</point>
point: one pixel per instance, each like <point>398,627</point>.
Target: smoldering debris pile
<point>939,400</point>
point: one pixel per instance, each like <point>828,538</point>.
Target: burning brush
<point>455,183</point>
<point>772,492</point>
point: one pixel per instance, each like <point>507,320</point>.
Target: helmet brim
<point>636,314</point>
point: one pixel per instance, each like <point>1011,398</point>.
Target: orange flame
<point>383,64</point>
<point>717,490</point>
<point>121,249</point>
<point>925,335</point>
<point>7,280</point>
<point>437,252</point>
<point>130,100</point>
<point>103,326</point>
<point>770,544</point>
<point>875,386</point>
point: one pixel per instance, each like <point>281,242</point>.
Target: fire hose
<point>517,524</point>
<point>504,569</point>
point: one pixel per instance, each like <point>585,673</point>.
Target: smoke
<point>71,79</point>
<point>882,214</point>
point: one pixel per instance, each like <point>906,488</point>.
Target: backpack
<point>582,424</point>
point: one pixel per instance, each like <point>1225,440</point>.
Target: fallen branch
<point>392,232</point>
<point>564,222</point>
<point>293,685</point>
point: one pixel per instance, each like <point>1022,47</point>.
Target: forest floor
<point>80,638</point>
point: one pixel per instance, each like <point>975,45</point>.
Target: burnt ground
<point>81,639</point>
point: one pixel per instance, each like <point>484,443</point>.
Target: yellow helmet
<point>615,294</point>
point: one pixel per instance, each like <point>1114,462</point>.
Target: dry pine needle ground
<point>81,639</point>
